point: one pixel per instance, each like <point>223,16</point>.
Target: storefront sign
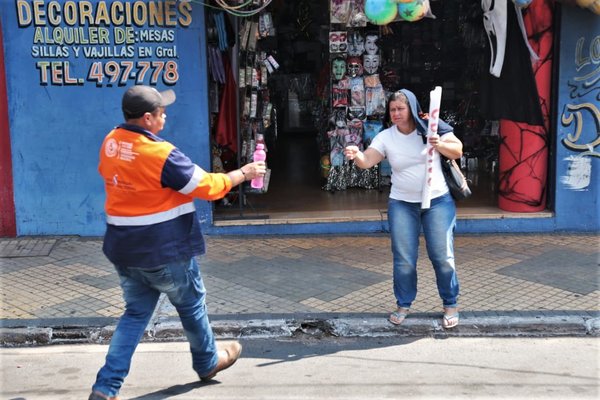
<point>122,42</point>
<point>67,65</point>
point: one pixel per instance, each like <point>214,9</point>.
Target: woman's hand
<point>450,147</point>
<point>434,140</point>
<point>351,152</point>
<point>362,159</point>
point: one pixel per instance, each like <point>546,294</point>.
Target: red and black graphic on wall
<point>523,153</point>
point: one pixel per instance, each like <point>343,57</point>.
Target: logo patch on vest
<point>111,148</point>
<point>124,150</point>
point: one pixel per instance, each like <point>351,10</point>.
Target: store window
<point>312,76</point>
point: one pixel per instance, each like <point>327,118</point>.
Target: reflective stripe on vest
<point>152,218</point>
<point>194,180</point>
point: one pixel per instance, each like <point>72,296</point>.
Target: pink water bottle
<point>259,155</point>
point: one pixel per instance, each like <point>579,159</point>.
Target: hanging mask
<point>339,97</point>
<point>338,41</point>
<point>494,22</point>
<point>357,92</point>
<point>338,68</point>
<point>338,117</point>
<point>356,44</point>
<point>354,67</point>
<point>357,113</point>
<point>371,46</point>
<point>375,101</point>
<point>371,63</point>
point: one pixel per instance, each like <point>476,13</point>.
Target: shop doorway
<point>300,91</point>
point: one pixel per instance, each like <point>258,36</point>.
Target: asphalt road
<point>311,368</point>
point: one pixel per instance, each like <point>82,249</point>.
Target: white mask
<point>371,63</point>
<point>356,44</point>
<point>494,22</point>
<point>371,44</point>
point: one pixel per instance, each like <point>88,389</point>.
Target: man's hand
<point>254,169</point>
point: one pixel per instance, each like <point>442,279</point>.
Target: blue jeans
<point>182,283</point>
<point>438,222</point>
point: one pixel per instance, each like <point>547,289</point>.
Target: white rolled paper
<point>435,98</point>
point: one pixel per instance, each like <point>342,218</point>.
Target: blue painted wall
<point>578,122</point>
<point>57,127</point>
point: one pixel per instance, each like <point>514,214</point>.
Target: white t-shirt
<point>407,157</point>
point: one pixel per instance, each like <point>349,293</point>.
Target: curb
<point>171,330</point>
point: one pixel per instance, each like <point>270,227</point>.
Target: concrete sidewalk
<point>63,289</point>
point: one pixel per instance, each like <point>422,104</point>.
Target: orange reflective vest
<point>150,187</point>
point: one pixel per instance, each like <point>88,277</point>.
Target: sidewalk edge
<point>171,329</point>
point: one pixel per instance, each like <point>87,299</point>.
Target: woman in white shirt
<point>403,143</point>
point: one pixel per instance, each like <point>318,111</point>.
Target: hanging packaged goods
<point>404,44</point>
<point>330,73</point>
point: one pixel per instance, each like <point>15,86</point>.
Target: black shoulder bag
<point>456,181</point>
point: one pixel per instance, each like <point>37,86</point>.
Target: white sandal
<point>450,320</point>
<point>398,316</point>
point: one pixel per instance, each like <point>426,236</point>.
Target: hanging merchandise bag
<point>339,11</point>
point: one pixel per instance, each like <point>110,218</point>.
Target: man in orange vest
<point>153,234</point>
